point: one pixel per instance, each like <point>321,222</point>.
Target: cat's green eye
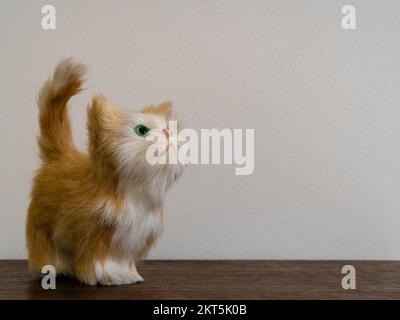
<point>141,130</point>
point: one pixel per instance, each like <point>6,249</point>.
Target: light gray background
<point>324,104</point>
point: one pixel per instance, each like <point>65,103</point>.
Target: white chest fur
<point>134,226</point>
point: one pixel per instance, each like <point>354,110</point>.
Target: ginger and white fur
<point>93,216</point>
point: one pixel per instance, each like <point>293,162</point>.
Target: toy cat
<point>93,216</point>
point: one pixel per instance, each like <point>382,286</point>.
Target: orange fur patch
<point>164,109</point>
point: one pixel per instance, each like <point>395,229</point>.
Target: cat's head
<point>119,141</point>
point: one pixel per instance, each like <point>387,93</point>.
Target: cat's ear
<point>103,113</point>
<point>164,109</point>
<point>103,120</point>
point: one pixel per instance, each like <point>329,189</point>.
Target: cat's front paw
<point>114,273</point>
<point>120,278</point>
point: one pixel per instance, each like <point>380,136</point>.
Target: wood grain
<point>189,279</point>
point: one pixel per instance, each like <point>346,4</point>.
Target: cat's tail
<point>55,130</point>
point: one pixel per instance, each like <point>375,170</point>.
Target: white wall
<point>324,104</point>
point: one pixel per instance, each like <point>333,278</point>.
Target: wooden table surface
<point>189,279</point>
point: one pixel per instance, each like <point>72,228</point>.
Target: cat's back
<point>58,181</point>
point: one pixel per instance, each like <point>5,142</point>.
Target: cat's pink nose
<point>166,132</point>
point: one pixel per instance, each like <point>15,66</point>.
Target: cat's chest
<point>134,226</point>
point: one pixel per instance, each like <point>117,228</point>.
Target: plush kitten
<point>94,216</point>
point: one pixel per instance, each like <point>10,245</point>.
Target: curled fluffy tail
<point>55,130</point>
